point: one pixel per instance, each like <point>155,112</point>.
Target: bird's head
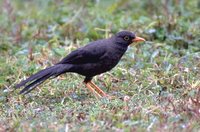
<point>125,38</point>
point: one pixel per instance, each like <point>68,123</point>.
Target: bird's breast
<point>111,58</point>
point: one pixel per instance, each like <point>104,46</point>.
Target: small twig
<point>31,58</point>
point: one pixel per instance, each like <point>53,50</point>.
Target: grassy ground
<point>161,76</point>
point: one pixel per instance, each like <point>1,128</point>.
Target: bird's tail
<point>38,78</point>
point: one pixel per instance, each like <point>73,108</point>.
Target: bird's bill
<point>138,39</point>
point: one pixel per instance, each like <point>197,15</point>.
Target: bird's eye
<point>126,38</point>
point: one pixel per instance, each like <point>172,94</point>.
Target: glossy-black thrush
<point>93,59</point>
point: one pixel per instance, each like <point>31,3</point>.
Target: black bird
<point>95,58</point>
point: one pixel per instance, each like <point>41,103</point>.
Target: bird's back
<point>106,53</point>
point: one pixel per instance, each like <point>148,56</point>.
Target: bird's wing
<point>88,54</point>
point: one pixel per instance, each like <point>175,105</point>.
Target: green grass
<point>161,76</point>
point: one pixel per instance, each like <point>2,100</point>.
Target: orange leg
<point>92,90</point>
<point>101,92</point>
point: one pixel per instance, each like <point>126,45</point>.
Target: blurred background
<point>35,34</point>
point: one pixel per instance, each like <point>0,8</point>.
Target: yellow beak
<point>138,39</point>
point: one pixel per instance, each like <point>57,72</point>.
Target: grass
<point>161,76</point>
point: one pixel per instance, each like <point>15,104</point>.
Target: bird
<point>90,60</point>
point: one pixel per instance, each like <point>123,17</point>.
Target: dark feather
<point>38,78</point>
<point>35,76</point>
<point>34,84</point>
